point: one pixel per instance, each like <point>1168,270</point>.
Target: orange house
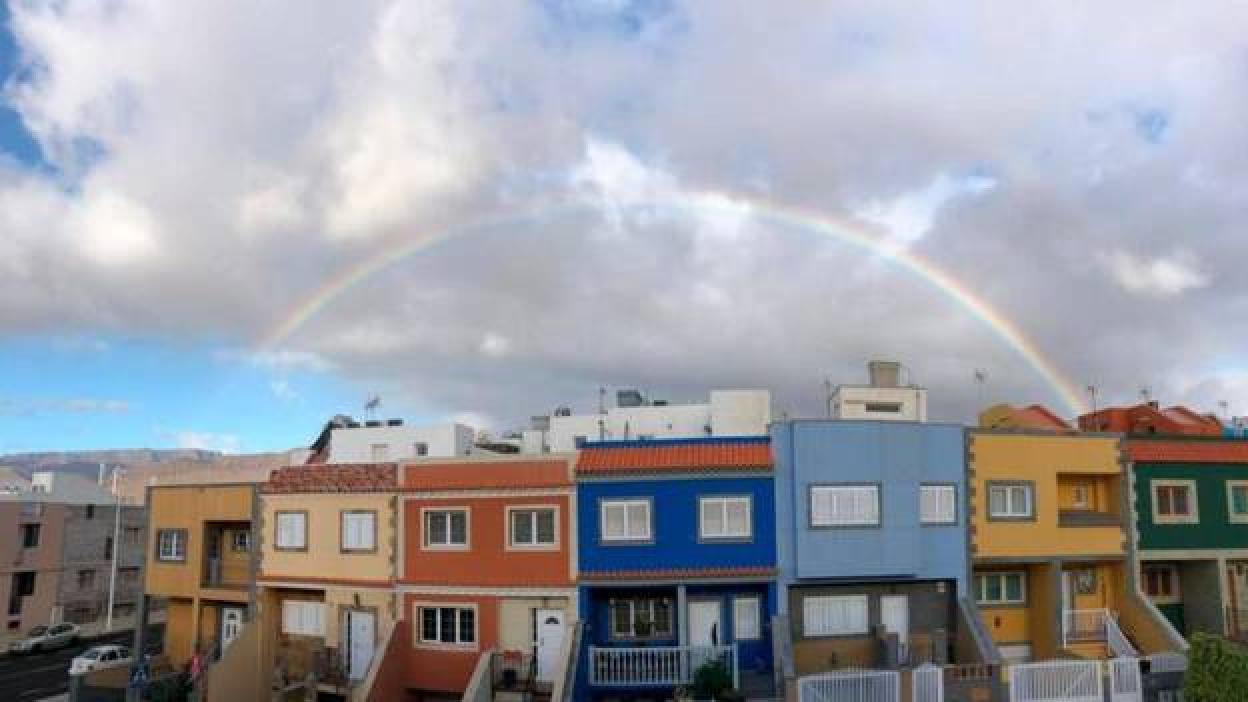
<point>487,569</point>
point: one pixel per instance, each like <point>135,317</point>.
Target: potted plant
<point>713,681</point>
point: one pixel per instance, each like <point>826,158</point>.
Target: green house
<point>1191,504</point>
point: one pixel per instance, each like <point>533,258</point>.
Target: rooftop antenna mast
<point>1092,396</point>
<point>981,385</point>
<point>371,405</point>
<point>827,395</point>
<point>1146,394</point>
<point>1225,406</point>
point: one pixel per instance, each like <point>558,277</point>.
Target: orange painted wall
<point>487,561</point>
<point>431,667</point>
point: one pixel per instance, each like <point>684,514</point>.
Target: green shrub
<point>711,680</point>
<point>1217,670</point>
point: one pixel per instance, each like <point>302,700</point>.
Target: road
<point>40,675</point>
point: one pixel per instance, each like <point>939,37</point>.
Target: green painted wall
<point>1215,530</point>
<point>1174,612</point>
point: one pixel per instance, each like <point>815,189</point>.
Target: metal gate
<point>1124,680</point>
<point>1056,681</point>
<point>928,683</point>
<point>850,686</point>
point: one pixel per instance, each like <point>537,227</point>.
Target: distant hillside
<point>87,462</point>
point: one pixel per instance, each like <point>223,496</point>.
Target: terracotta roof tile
<point>1230,451</point>
<point>335,477</point>
<point>679,573</point>
<point>679,456</point>
<point>486,475</point>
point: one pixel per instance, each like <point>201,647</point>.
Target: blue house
<point>676,544</point>
<point>871,522</point>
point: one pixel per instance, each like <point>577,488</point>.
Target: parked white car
<point>98,657</point>
<point>46,638</point>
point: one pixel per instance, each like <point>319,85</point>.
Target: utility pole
<point>112,576</point>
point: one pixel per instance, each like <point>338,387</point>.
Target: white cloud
<point>282,390</point>
<point>495,345</point>
<point>1163,276</point>
<point>207,441</point>
<point>71,405</point>
<point>908,217</point>
<point>284,360</point>
<point>113,230</point>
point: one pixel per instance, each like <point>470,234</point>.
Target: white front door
<point>231,625</point>
<point>548,630</point>
<point>895,616</point>
<point>361,630</point>
<point>705,628</point>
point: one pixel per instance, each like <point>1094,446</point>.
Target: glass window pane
<point>994,588</point>
<point>737,518</point>
<point>1239,499</point>
<point>662,617</point>
<point>712,518</point>
<point>522,527</point>
<point>621,618</point>
<point>613,521</point>
<point>997,500</point>
<point>467,626</point>
<point>1014,587</point>
<point>546,526</point>
<point>435,528</point>
<point>459,528</point>
<point>1180,500</point>
<point>639,520</point>
<point>428,624</point>
<point>447,616</point>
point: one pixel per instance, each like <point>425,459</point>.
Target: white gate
<point>850,686</point>
<point>1056,681</point>
<point>928,682</point>
<point>1124,680</point>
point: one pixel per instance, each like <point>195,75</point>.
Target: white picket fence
<point>1056,681</point>
<point>656,665</point>
<point>850,686</point>
<point>928,683</point>
<point>1125,684</point>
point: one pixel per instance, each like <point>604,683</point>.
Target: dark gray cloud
<point>1081,169</point>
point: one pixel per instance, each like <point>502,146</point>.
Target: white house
<point>345,440</point>
<point>884,398</point>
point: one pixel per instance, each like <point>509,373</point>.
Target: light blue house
<point>676,560</point>
<point>871,528</point>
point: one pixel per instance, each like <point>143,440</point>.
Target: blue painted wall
<point>897,455</point>
<point>674,515</point>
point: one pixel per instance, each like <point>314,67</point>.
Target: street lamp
<point>112,576</point>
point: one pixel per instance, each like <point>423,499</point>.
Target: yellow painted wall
<point>339,601</point>
<point>1044,603</point>
<point>188,507</point>
<point>1039,458</point>
<point>324,557</point>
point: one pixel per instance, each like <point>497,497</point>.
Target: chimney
<point>884,374</point>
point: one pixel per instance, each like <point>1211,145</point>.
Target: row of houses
<point>623,566</point>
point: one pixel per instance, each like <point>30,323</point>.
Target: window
<point>133,535</point>
<point>448,625</point>
<point>240,541</point>
<point>1174,502</point>
<point>1161,582</point>
<point>1001,588</point>
<point>531,527</point>
<point>625,520</point>
<point>446,528</point>
<point>641,618</point>
<point>1011,501</point>
<point>171,545</point>
<point>745,618</point>
<point>24,583</point>
<point>128,575</point>
<point>379,452</point>
<point>86,579</point>
<point>90,511</point>
<point>32,509</point>
<point>108,548</point>
<point>938,504</point>
<point>303,618</point>
<point>842,615</point>
<point>844,505</point>
<point>725,518</point>
<point>359,530</point>
<point>889,407</point>
<point>292,531</point>
<point>1081,496</point>
<point>420,448</point>
<point>1237,500</point>
<point>30,536</point>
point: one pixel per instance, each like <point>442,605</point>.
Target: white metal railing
<point>656,665</point>
<point>1167,662</point>
<point>1056,681</point>
<point>928,683</point>
<point>1119,644</point>
<point>1124,680</point>
<point>1083,625</point>
<point>847,685</point>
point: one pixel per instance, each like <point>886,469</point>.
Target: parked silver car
<point>47,638</point>
<point>97,657</point>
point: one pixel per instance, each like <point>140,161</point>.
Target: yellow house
<point>1051,546</point>
<point>201,563</point>
<point>326,578</point>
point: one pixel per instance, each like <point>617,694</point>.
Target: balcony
<point>656,666</point>
<point>227,555</point>
<point>1087,518</point>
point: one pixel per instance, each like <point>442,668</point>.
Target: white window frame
<point>1231,514</point>
<point>418,635</point>
<point>177,551</point>
<point>979,582</point>
<point>426,534</point>
<point>650,603</point>
<point>755,605</point>
<point>629,537</point>
<point>1172,573</point>
<point>1193,505</point>
<point>301,542</point>
<point>1029,496</point>
<point>940,518</point>
<point>812,629</point>
<point>420,449</point>
<point>832,521</point>
<point>344,530</point>
<point>303,618</point>
<point>534,545</point>
<point>720,503</point>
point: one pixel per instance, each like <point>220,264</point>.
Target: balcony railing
<point>666,666</point>
<point>1095,626</point>
<point>1087,518</point>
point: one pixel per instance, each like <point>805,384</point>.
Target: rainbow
<point>710,202</point>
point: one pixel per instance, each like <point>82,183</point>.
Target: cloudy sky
<point>221,222</point>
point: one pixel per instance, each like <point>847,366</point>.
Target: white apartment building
<point>345,440</point>
<point>883,398</point>
<point>727,413</point>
